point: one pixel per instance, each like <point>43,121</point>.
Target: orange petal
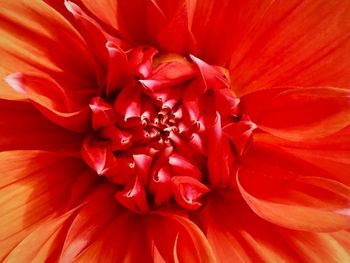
<point>301,114</point>
<point>299,43</point>
<point>175,238</point>
<point>123,240</point>
<point>33,186</point>
<point>330,154</point>
<point>98,212</point>
<point>235,232</point>
<point>40,244</point>
<point>275,188</point>
<point>52,100</point>
<point>319,247</point>
<point>31,41</point>
<point>106,10</point>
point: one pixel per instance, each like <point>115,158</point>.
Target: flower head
<point>174,131</point>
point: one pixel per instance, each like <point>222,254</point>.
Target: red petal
<point>303,114</point>
<point>210,76</point>
<point>220,25</point>
<point>134,197</point>
<point>272,191</point>
<point>160,185</point>
<point>102,113</point>
<point>187,191</point>
<point>23,127</point>
<point>128,103</point>
<point>286,46</point>
<point>179,166</point>
<point>95,216</point>
<point>220,155</point>
<point>179,26</point>
<point>240,133</point>
<point>91,32</point>
<point>235,232</point>
<point>52,101</point>
<point>118,71</point>
<point>123,240</point>
<point>330,154</point>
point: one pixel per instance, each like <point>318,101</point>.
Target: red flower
<point>174,131</point>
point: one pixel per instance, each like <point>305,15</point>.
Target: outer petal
<point>174,238</point>
<point>236,233</point>
<point>43,241</point>
<point>52,100</point>
<point>331,154</point>
<point>299,43</point>
<point>281,185</point>
<point>31,40</point>
<point>271,43</point>
<point>96,215</point>
<point>123,240</point>
<point>24,127</point>
<point>33,189</point>
<point>299,114</point>
<point>106,10</point>
<point>155,22</point>
<point>219,26</point>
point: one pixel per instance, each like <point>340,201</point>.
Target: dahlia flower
<point>174,131</point>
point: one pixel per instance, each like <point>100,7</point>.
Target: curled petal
<point>102,113</point>
<point>118,71</point>
<point>52,101</point>
<point>187,191</point>
<point>128,103</point>
<point>211,77</point>
<point>134,197</point>
<point>240,133</point>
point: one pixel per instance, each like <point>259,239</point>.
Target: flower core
<point>166,129</point>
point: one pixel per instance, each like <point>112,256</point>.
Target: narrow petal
<point>27,193</point>
<point>123,240</point>
<point>93,216</point>
<point>235,232</point>
<point>174,238</point>
<point>42,242</point>
<point>106,10</point>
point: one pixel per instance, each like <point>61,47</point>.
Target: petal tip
<point>15,81</point>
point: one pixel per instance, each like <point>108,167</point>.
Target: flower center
<point>165,130</point>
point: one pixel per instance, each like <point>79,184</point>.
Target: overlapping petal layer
<point>263,177</point>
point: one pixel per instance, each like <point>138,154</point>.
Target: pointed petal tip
<point>15,81</point>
